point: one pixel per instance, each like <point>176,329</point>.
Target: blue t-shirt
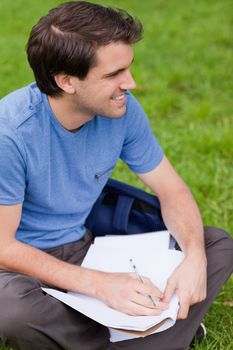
<point>57,174</point>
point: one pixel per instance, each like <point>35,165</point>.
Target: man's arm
<point>20,257</point>
<point>121,291</point>
<point>182,218</point>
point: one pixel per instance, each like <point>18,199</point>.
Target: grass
<point>183,68</point>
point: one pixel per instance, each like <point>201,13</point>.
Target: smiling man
<point>60,138</point>
<point>102,92</point>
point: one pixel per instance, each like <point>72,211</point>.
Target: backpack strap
<point>121,214</point>
<point>91,217</point>
<point>133,192</point>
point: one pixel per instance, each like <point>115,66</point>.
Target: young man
<point>60,139</point>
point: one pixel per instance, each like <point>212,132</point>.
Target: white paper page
<point>153,259</point>
<point>117,335</point>
<point>157,266</point>
<point>157,239</point>
<point>152,263</point>
<point>101,313</point>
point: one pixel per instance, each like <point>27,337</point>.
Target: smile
<point>118,98</point>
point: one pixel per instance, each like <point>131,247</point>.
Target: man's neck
<point>65,113</point>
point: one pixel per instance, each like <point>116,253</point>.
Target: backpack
<point>123,209</point>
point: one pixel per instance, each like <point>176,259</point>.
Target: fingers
<point>144,298</point>
<point>184,299</point>
<point>146,301</point>
<point>147,298</point>
<point>127,294</point>
<point>169,291</point>
<point>136,309</point>
<point>183,311</point>
<point>184,307</point>
<point>149,289</point>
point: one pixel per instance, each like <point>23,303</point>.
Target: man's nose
<point>128,82</point>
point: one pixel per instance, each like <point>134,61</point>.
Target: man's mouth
<point>119,97</point>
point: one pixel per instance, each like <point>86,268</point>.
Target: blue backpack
<point>123,209</point>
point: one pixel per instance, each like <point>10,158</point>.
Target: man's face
<point>103,90</point>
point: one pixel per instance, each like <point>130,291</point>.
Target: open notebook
<point>112,254</point>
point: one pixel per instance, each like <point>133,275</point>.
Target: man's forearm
<point>18,257</point>
<point>183,220</point>
<point>179,209</point>
<point>121,291</point>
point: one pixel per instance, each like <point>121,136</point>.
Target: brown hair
<point>65,41</point>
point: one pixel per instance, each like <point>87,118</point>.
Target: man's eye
<point>112,75</point>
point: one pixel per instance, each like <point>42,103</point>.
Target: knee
<point>215,235</point>
<point>16,300</point>
<point>219,245</point>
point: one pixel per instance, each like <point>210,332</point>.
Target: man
<point>60,139</point>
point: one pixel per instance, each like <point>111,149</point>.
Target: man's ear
<point>65,82</point>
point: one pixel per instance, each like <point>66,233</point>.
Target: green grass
<point>183,68</point>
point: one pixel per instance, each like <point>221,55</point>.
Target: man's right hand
<point>121,291</point>
<point>124,292</point>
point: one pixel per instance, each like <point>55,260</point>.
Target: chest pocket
<point>104,172</point>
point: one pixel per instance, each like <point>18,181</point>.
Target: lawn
<point>183,68</point>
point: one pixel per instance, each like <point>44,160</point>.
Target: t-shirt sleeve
<point>141,150</point>
<point>12,168</point>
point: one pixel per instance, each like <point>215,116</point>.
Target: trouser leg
<point>219,250</point>
<point>33,320</point>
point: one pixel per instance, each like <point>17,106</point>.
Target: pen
<point>140,279</point>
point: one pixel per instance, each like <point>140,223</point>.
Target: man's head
<point>67,39</point>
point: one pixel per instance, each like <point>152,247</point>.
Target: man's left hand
<point>189,282</point>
